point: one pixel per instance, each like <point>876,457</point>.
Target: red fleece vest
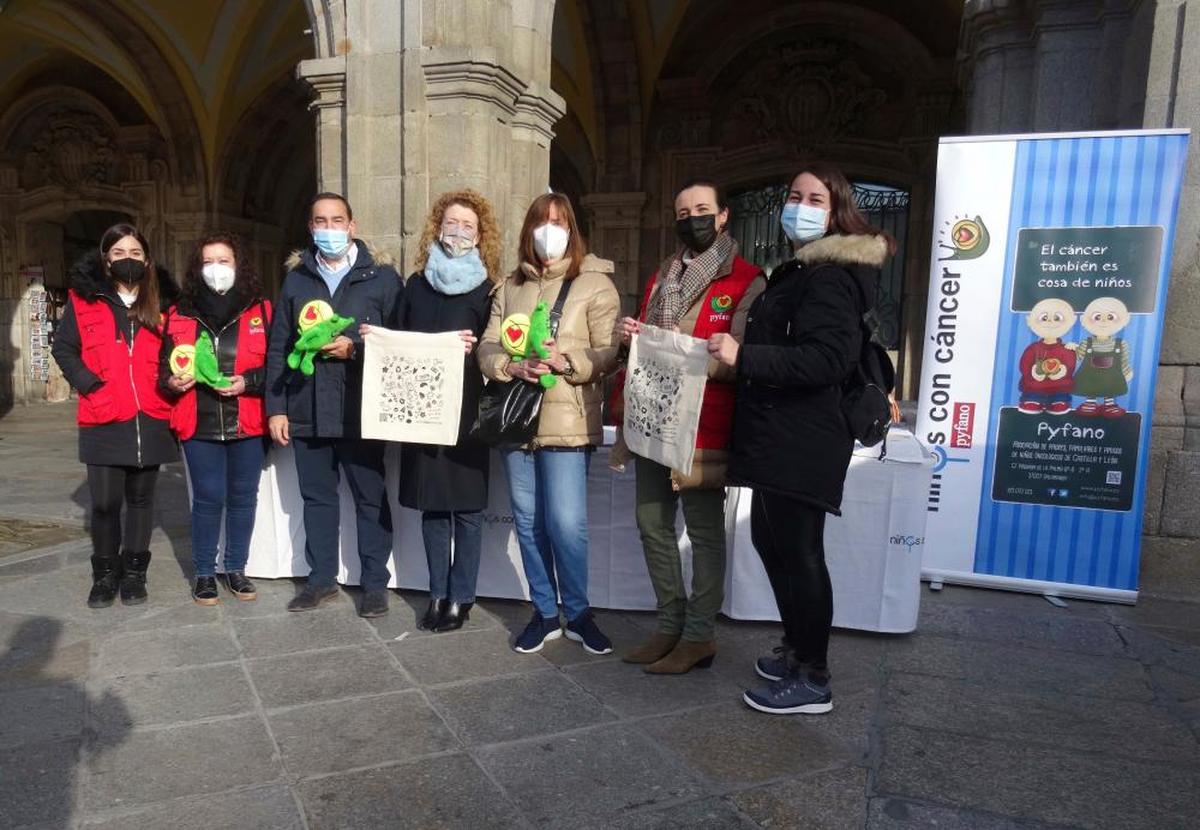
<point>251,354</point>
<point>130,375</point>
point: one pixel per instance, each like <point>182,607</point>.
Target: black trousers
<point>789,536</point>
<point>112,487</point>
<point>320,462</point>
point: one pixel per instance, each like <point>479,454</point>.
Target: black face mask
<point>698,233</point>
<point>128,271</point>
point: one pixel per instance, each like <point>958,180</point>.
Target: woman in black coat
<point>451,291</point>
<point>107,346</point>
<point>791,445</point>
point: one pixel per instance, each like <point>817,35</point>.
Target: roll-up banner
<point>1051,256</point>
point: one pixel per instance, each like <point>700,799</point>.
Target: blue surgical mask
<point>332,243</point>
<point>803,223</point>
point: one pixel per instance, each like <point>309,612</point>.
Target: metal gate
<point>754,223</point>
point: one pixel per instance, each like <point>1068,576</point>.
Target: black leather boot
<point>456,614</point>
<point>106,576</point>
<point>133,581</point>
<point>433,615</point>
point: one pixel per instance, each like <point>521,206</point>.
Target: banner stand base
<point>1055,600</point>
<point>937,578</point>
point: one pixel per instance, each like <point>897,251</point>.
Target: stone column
<point>437,96</point>
<point>616,233</point>
<point>1171,550</point>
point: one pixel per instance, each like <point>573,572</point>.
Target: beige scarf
<point>681,286</point>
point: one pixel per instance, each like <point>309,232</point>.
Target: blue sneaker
<point>775,667</point>
<point>539,630</point>
<point>793,695</point>
<point>583,629</point>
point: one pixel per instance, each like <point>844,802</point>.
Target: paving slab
<point>898,814</point>
<point>155,765</point>
<point>827,800</point>
<point>60,711</point>
<point>448,791</point>
<point>145,652</point>
<point>1057,630</point>
<point>1021,781</point>
<point>362,732</point>
<point>263,808</point>
<point>1118,728</point>
<point>162,698</point>
<point>327,627</point>
<point>733,744</point>
<point>309,677</point>
<point>523,706</point>
<point>1017,668</point>
<point>462,655</point>
<point>37,783</point>
<point>561,781</point>
<point>631,692</point>
<point>706,814</point>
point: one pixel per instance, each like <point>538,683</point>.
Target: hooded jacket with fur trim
<point>802,342</point>
<point>328,404</point>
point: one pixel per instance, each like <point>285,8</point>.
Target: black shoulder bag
<point>509,410</point>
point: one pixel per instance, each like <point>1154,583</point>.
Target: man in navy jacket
<point>318,415</point>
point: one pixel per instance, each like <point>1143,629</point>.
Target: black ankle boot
<point>433,615</point>
<point>106,576</point>
<point>456,614</point>
<point>133,581</point>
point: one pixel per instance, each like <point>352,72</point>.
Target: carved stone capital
<point>615,210</point>
<point>538,109</point>
<point>327,77</point>
<point>466,77</point>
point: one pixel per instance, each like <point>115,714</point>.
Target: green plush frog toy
<point>539,333</point>
<point>208,371</point>
<point>318,326</point>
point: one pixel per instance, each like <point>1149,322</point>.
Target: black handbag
<point>509,410</point>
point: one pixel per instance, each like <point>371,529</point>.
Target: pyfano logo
<point>965,239</point>
<point>962,427</point>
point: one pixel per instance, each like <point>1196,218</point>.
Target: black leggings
<point>790,538</point>
<point>110,488</point>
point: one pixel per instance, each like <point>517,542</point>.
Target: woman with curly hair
<point>221,313</point>
<point>458,260</point>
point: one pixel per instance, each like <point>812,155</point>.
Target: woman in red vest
<point>703,289</point>
<point>213,365</point>
<point>107,346</point>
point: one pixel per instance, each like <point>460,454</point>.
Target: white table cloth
<point>873,550</point>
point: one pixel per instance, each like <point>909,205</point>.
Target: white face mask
<point>550,241</point>
<point>218,276</point>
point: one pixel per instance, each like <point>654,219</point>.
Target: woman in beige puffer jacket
<point>547,480</point>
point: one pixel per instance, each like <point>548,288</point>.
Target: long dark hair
<point>146,309</point>
<point>537,214</point>
<point>844,215</point>
<point>247,283</point>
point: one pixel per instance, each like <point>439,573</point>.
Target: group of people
<point>206,366</point>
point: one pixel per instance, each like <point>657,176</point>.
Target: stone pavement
<point>1001,712</point>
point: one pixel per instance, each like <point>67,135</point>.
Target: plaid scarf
<point>680,287</point>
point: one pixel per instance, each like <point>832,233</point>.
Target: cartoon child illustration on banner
<point>1047,364</point>
<point>1105,367</point>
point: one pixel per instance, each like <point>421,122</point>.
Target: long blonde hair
<point>489,231</point>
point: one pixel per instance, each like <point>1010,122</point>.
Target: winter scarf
<point>454,275</point>
<point>680,287</point>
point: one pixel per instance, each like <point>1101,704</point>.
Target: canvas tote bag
<point>412,386</point>
<point>664,388</point>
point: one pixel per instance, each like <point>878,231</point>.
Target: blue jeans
<point>549,503</point>
<point>319,464</point>
<point>224,478</point>
<point>452,580</point>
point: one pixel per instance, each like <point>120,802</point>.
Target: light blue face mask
<point>332,243</point>
<point>803,223</point>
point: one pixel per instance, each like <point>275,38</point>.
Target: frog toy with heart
<point>317,327</point>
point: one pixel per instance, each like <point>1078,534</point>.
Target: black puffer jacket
<point>327,404</point>
<point>143,441</point>
<point>802,341</point>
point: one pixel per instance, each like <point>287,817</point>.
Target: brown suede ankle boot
<point>684,657</point>
<point>658,646</point>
